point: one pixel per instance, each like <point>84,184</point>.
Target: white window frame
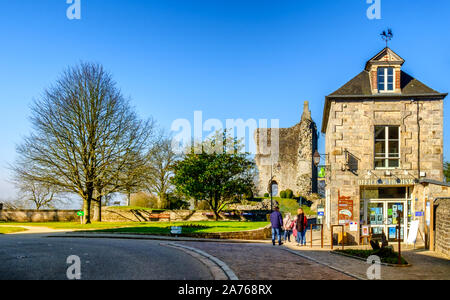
<point>386,157</point>
<point>386,80</point>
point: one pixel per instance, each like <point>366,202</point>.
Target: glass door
<point>394,210</point>
<point>375,218</point>
<point>382,217</point>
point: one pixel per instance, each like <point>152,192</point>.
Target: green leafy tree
<point>215,171</point>
<point>447,171</point>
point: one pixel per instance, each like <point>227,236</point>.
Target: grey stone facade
<point>350,117</point>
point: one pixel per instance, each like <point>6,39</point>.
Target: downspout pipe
<point>418,137</point>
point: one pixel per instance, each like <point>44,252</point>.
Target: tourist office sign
<point>345,209</point>
<point>389,181</point>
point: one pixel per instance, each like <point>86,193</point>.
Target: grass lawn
<point>129,208</point>
<point>190,227</point>
<point>390,258</point>
<point>6,230</point>
<point>291,205</point>
<point>153,227</point>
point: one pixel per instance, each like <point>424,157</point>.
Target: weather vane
<point>387,36</point>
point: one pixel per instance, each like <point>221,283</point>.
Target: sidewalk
<point>266,262</point>
<point>426,265</point>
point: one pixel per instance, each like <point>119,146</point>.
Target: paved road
<point>34,257</point>
<point>267,262</point>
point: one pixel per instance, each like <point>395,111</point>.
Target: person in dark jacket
<point>301,226</point>
<point>277,223</point>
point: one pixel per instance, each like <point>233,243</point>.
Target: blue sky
<point>228,58</point>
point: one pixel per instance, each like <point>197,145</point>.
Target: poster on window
<point>392,233</point>
<point>365,230</point>
<point>345,209</point>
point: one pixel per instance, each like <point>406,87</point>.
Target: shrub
<point>248,195</point>
<point>177,203</point>
<point>203,205</point>
<point>283,194</point>
<point>266,195</point>
<point>289,194</point>
<point>143,199</point>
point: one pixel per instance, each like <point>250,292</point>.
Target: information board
<point>345,209</point>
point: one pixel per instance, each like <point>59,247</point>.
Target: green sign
<point>80,213</point>
<point>322,172</point>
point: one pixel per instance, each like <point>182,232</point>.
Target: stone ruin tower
<point>293,166</point>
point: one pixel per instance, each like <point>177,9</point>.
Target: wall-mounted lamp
<point>369,173</point>
<point>407,174</point>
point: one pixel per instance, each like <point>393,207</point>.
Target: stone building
<point>289,159</point>
<point>384,142</point>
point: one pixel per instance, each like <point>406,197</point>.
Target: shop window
<point>387,147</point>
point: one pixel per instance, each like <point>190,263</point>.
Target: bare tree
<point>161,159</point>
<point>15,204</point>
<point>85,136</point>
<point>40,195</point>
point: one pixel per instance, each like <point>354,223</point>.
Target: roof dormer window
<point>385,80</point>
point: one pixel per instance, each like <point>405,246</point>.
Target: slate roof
<point>359,88</point>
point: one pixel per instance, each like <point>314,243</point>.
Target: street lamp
<point>316,158</point>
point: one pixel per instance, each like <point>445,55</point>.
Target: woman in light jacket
<point>288,224</point>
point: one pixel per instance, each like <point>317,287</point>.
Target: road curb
<point>223,266</point>
<point>324,264</point>
<point>153,237</point>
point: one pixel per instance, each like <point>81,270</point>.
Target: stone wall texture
<point>38,215</point>
<point>442,227</point>
<point>293,155</point>
<point>257,234</point>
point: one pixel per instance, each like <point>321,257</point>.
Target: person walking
<point>301,226</point>
<point>277,223</point>
<point>288,225</point>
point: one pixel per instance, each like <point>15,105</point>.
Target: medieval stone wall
<point>292,164</point>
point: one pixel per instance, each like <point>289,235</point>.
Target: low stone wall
<point>257,234</point>
<point>442,230</point>
<point>38,216</point>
